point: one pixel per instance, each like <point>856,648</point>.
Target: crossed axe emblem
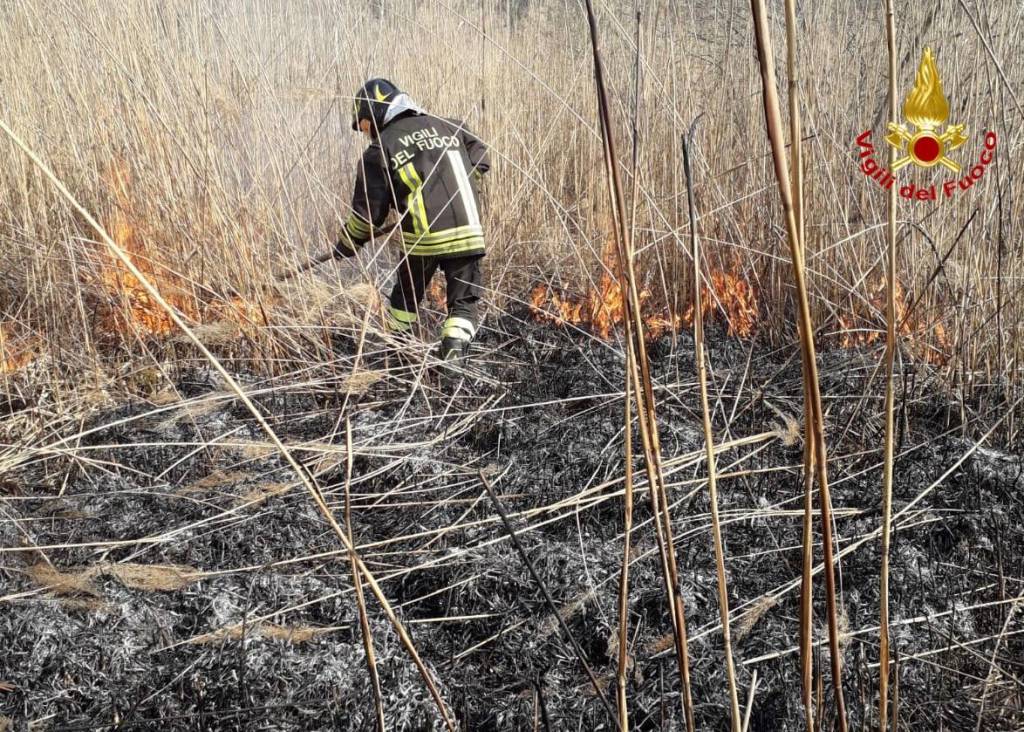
<point>926,148</point>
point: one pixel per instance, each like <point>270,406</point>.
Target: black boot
<point>452,349</point>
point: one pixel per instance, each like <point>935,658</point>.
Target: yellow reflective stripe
<point>439,237</point>
<point>461,328</point>
<point>414,203</point>
<point>403,316</point>
<point>410,200</point>
<point>470,244</point>
<point>421,208</point>
<point>357,227</point>
<point>400,321</point>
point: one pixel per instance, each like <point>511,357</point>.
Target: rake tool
<point>326,257</point>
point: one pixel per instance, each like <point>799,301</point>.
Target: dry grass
<point>61,583</point>
<point>81,581</point>
<point>152,577</point>
<point>217,170</point>
<point>755,613</point>
<point>273,631</point>
<point>261,493</point>
<point>359,381</point>
<point>217,479</point>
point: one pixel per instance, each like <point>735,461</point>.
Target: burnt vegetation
<point>240,613</point>
<point>737,446</point>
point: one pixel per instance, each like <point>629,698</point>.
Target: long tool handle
<point>315,262</point>
<point>320,259</point>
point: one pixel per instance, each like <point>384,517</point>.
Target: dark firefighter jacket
<point>425,168</point>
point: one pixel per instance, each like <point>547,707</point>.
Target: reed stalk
<point>807,533</point>
<point>622,668</point>
<point>890,395</point>
<point>357,583</point>
<point>709,440</point>
<point>639,367</point>
<point>795,128</point>
<point>622,665</point>
<point>896,690</point>
<point>815,428</point>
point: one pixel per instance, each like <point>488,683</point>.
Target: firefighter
<point>427,169</point>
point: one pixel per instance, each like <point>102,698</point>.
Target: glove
<point>345,248</point>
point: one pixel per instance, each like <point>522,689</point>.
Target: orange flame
<point>733,298</point>
<point>139,310</point>
<point>865,327</point>
<point>14,355</point>
<point>602,309</point>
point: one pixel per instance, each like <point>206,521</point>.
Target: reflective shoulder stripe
<point>414,204</point>
<point>465,189</point>
<point>403,173</point>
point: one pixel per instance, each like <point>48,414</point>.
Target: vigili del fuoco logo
<point>925,143</point>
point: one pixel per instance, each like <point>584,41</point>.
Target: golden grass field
<point>213,142</point>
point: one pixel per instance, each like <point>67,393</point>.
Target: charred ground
<point>190,583</point>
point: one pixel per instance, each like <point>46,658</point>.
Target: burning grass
<point>129,311</point>
<point>15,353</point>
<point>136,310</point>
<point>727,296</point>
<point>865,326</point>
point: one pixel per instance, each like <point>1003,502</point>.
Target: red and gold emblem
<point>927,109</point>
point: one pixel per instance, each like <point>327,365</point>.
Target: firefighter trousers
<point>463,285</point>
